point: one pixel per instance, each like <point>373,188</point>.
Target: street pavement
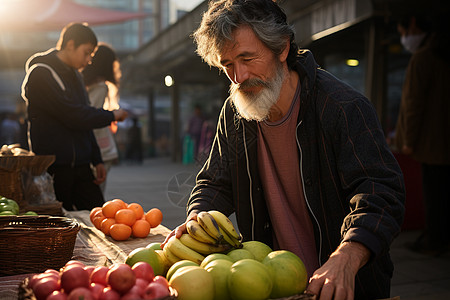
<point>166,185</point>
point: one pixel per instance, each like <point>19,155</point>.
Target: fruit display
<point>121,220</point>
<point>119,281</point>
<point>211,262</point>
<point>9,207</point>
<point>202,264</point>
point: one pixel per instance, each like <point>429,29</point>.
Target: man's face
<point>80,56</point>
<point>256,74</point>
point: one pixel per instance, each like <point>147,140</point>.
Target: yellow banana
<point>202,248</point>
<point>198,233</point>
<point>224,223</point>
<point>209,224</point>
<point>182,251</point>
<point>230,240</point>
<point>172,258</point>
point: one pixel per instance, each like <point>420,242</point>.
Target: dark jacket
<point>423,123</point>
<point>353,185</point>
<point>60,117</point>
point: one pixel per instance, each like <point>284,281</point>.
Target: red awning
<point>41,15</point>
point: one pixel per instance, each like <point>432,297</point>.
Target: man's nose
<point>240,73</point>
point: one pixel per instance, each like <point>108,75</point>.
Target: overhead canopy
<point>48,15</point>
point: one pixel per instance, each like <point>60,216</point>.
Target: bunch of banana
<point>212,232</point>
<point>213,227</point>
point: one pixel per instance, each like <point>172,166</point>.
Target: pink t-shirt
<point>278,162</point>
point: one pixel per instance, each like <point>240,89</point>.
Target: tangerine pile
<point>120,220</point>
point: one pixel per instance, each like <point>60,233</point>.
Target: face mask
<point>412,42</point>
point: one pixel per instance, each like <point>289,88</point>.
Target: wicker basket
<point>32,244</point>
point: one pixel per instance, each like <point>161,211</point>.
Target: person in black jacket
<point>61,120</point>
<point>299,156</point>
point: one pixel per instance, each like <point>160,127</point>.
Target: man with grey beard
<point>299,156</point>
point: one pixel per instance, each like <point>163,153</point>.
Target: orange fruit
<point>97,219</point>
<point>120,232</point>
<point>137,209</point>
<point>140,228</point>
<point>110,208</point>
<point>106,224</point>
<point>154,216</point>
<point>93,212</point>
<point>121,202</point>
<point>125,216</point>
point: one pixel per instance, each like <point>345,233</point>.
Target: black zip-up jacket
<point>60,117</point>
<point>353,186</point>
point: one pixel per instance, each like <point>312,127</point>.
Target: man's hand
<point>100,172</point>
<point>336,278</point>
<point>179,230</point>
<point>120,114</point>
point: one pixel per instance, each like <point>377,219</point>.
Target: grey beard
<point>256,106</point>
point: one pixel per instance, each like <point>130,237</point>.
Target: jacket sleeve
<point>213,189</point>
<point>369,176</point>
<point>48,96</point>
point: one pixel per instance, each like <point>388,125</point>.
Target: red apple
<point>73,263</point>
<point>98,275</point>
<point>57,295</point>
<point>155,290</point>
<point>51,271</point>
<point>73,277</point>
<point>89,269</point>
<point>142,283</point>
<point>109,294</point>
<point>80,293</point>
<point>143,270</point>
<point>130,296</point>
<point>162,280</point>
<point>121,277</point>
<point>36,277</point>
<point>44,287</point>
<point>96,289</point>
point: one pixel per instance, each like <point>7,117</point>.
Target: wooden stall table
<point>92,248</point>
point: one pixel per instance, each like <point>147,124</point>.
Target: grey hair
<point>264,17</point>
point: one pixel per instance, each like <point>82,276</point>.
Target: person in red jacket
<point>61,120</point>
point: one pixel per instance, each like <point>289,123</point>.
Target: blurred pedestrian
<point>423,126</point>
<point>194,129</point>
<point>101,78</point>
<point>61,119</point>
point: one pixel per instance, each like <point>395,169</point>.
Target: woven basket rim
<point>29,223</point>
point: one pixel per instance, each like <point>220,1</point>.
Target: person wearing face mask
<point>423,125</point>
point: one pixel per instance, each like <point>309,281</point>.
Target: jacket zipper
<point>306,198</point>
<point>250,179</point>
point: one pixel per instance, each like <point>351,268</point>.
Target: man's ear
<point>284,54</point>
<point>70,45</point>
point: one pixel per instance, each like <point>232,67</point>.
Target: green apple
<point>214,256</point>
<point>177,265</point>
<point>249,279</point>
<point>257,248</point>
<point>238,254</point>
<point>288,273</point>
<point>220,269</point>
<point>193,283</point>
<point>147,255</point>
